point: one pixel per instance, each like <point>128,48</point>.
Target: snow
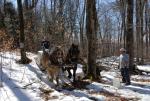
<point>144,68</point>
<point>27,83</point>
<point>109,62</point>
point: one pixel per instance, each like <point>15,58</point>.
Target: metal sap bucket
<point>116,82</point>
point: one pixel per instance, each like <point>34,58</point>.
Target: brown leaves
<point>5,41</point>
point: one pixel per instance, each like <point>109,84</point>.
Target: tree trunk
<point>82,31</point>
<point>91,31</point>
<point>24,59</point>
<point>26,4</point>
<point>146,26</point>
<point>129,37</point>
<point>139,30</point>
<point>123,16</point>
<point>142,30</point>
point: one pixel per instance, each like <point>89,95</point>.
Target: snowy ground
<point>28,83</point>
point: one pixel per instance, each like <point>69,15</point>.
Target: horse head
<point>57,56</point>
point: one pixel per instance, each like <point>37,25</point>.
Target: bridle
<point>59,56</point>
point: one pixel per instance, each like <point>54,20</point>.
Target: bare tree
<point>82,24</point>
<point>1,15</point>
<point>123,12</point>
<point>146,27</point>
<point>139,29</point>
<point>24,58</point>
<point>91,31</point>
<point>129,36</point>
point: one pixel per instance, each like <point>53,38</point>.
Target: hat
<point>122,49</point>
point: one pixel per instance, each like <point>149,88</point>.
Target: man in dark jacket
<point>45,43</point>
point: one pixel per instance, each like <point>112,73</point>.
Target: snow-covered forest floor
<point>28,83</point>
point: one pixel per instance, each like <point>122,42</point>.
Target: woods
<point>91,24</point>
<point>77,45</point>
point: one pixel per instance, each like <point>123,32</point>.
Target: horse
<point>65,62</point>
<point>71,61</point>
<point>51,64</point>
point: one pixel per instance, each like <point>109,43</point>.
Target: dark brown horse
<point>71,60</point>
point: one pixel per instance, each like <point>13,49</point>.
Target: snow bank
<point>24,83</point>
<point>145,68</point>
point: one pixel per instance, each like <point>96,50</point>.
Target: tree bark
<point>129,37</point>
<point>146,26</point>
<point>82,31</point>
<point>24,59</point>
<point>139,30</point>
<point>91,31</point>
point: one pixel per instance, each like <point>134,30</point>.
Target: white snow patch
<point>145,68</point>
<point>23,83</point>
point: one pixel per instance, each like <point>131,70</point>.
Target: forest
<point>90,34</point>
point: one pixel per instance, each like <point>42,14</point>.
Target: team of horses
<point>55,62</point>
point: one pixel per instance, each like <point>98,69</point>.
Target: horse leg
<point>74,73</point>
<point>51,77</point>
<point>69,73</point>
<point>57,80</point>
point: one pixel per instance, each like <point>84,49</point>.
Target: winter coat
<point>124,61</point>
